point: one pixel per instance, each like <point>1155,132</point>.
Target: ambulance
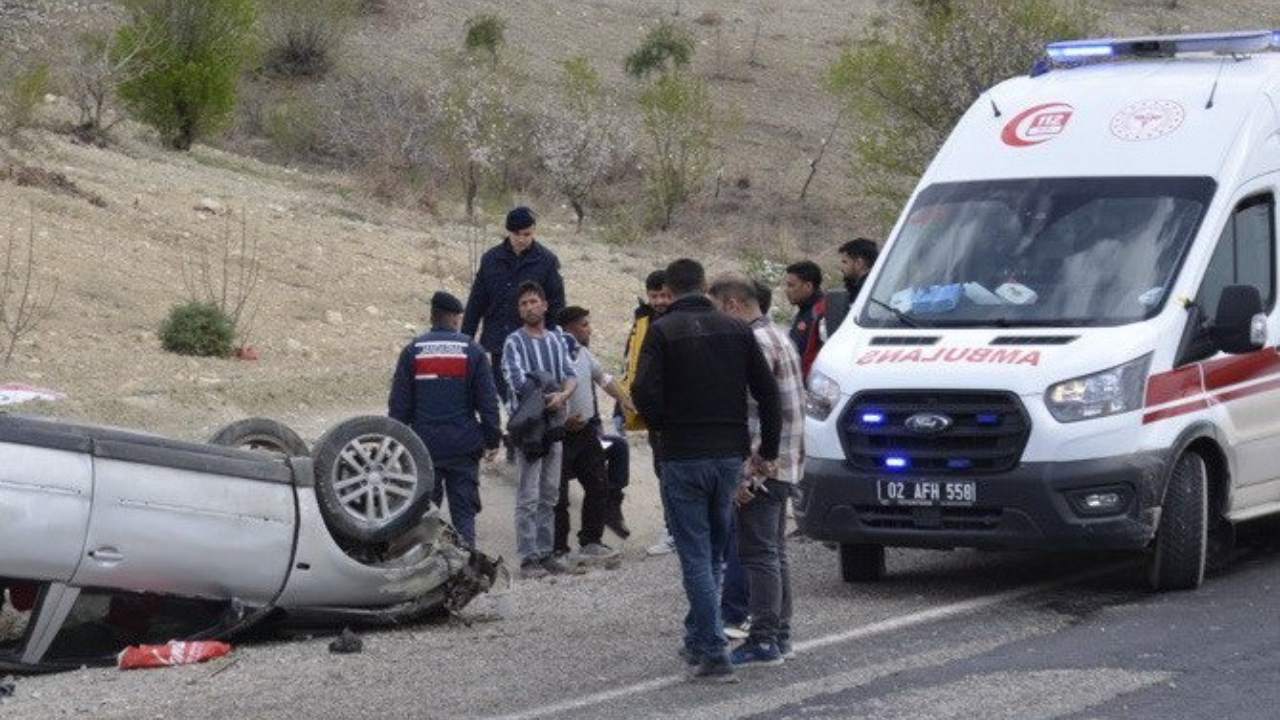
<point>1070,338</point>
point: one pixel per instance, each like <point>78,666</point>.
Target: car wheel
<point>861,563</point>
<point>1181,544</point>
<point>373,478</point>
<point>263,434</point>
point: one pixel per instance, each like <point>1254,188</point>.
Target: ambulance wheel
<point>1182,541</point>
<point>373,478</point>
<point>861,563</point>
<point>263,434</point>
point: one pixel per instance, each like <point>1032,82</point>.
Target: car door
<point>46,491</point>
<point>186,519</point>
<point>1247,387</point>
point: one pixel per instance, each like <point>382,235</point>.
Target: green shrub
<point>198,328</point>
<point>677,123</point>
<point>192,52</point>
<point>665,42</point>
<point>908,82</point>
<point>293,126</point>
<point>23,89</point>
<point>485,32</point>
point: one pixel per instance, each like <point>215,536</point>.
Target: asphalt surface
<point>960,634</point>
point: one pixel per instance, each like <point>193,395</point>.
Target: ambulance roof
<point>1132,117</point>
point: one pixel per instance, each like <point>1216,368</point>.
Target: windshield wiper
<point>902,317</point>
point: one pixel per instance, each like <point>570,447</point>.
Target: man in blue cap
<point>443,388</point>
<point>519,258</point>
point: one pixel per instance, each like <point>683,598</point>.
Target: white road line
<point>923,617</point>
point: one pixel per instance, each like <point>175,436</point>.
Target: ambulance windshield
<point>1039,252</point>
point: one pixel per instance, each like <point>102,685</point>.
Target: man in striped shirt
<point>765,487</point>
<point>537,348</point>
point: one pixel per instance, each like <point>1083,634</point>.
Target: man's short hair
<point>764,295</point>
<point>656,280</point>
<point>732,286</point>
<point>571,315</point>
<point>861,248</point>
<point>685,277</point>
<point>808,271</point>
<point>529,286</point>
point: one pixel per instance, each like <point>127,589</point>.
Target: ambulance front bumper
<point>1044,506</point>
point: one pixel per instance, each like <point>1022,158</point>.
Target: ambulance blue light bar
<point>1226,43</point>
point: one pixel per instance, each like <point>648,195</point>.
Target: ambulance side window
<point>1246,255</point>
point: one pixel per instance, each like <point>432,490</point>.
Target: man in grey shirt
<point>583,456</point>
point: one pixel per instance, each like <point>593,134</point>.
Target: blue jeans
<point>537,493</point>
<point>697,495</point>
<point>461,480</point>
<point>735,596</point>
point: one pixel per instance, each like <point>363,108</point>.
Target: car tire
<point>264,434</point>
<point>1182,541</point>
<point>861,562</point>
<point>374,478</point>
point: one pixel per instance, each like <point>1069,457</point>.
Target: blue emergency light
<point>872,418</point>
<point>896,462</point>
<point>1077,52</point>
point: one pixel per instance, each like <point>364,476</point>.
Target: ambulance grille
<point>985,431</point>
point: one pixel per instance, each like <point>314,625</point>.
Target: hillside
<point>345,278</point>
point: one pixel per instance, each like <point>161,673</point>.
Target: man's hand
<point>745,493</point>
<point>491,454</point>
<point>628,406</point>
<point>556,400</point>
<point>763,469</point>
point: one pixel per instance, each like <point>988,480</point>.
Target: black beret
<point>444,302</point>
<point>520,218</point>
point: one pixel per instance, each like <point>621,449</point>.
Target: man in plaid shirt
<point>765,487</point>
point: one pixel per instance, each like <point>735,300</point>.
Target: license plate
<point>927,492</point>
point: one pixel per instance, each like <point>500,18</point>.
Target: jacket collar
<point>534,249</point>
<point>807,305</point>
<point>691,303</point>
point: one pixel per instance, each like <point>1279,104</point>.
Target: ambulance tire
<point>861,563</point>
<point>374,479</point>
<point>1182,541</point>
<point>263,434</point>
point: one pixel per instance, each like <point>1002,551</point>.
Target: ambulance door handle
<point>107,556</point>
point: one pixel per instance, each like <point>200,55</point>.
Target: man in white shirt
<point>584,457</point>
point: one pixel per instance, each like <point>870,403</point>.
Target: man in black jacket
<point>517,259</point>
<point>696,369</point>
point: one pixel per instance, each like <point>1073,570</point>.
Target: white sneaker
<point>662,547</point>
<point>596,552</point>
<point>738,632</point>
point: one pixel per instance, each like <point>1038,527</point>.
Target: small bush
<point>677,123</point>
<point>666,42</point>
<point>487,33</point>
<point>197,328</point>
<point>293,127</point>
<point>192,52</point>
<point>304,36</point>
<point>22,91</point>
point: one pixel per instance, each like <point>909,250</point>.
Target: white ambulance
<point>1069,341</point>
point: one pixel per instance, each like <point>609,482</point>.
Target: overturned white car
<point>110,538</point>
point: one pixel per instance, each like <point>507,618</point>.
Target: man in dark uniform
<point>443,389</point>
<point>519,258</point>
<point>803,288</point>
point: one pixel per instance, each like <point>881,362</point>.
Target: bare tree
<point>95,74</point>
<point>21,309</point>
<point>822,151</point>
<point>228,279</point>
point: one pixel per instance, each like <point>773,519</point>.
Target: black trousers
<point>583,459</point>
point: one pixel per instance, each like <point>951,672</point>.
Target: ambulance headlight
<point>1110,392</point>
<point>821,397</point>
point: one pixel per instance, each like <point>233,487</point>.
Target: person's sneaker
<point>597,551</point>
<point>664,546</point>
<point>756,653</point>
<point>532,570</point>
<point>787,649</point>
<point>718,670</point>
<point>690,657</point>
<point>738,631</point>
<point>555,565</point>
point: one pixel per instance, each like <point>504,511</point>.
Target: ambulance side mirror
<point>1241,324</point>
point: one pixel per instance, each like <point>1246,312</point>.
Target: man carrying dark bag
<point>443,389</point>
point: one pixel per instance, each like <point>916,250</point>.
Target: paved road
<point>957,634</point>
